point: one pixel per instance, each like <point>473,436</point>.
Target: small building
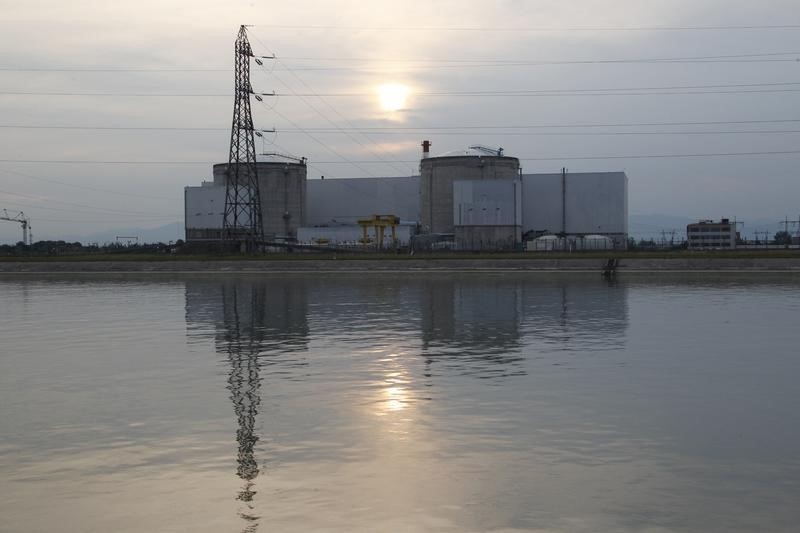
<point>707,234</point>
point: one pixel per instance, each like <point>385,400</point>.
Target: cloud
<point>355,47</point>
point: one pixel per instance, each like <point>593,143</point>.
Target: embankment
<point>578,264</point>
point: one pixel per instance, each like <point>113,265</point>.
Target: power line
<point>642,156</point>
<point>409,129</point>
<point>432,62</point>
<point>516,62</point>
<point>29,207</point>
<point>96,161</point>
<point>143,95</point>
<point>332,108</point>
<point>607,91</point>
<point>495,65</point>
<point>312,137</point>
<point>584,125</point>
<point>664,156</point>
<point>575,133</point>
<point>80,221</point>
<point>364,162</point>
<point>114,69</point>
<point>109,128</point>
<point>306,131</point>
<point>321,143</point>
<point>96,210</point>
<point>72,185</point>
<point>760,27</point>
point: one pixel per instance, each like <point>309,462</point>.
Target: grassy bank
<point>600,255</point>
<point>438,257</point>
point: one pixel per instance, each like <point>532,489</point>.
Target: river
<point>400,402</point>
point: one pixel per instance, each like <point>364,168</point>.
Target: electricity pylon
<point>242,222</point>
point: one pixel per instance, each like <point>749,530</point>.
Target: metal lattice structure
<point>24,221</point>
<point>242,222</point>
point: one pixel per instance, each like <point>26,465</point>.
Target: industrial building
<point>477,199</point>
<point>707,234</point>
<point>282,189</point>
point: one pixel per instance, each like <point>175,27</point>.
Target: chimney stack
<point>426,149</point>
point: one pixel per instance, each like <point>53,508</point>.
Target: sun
<point>393,96</point>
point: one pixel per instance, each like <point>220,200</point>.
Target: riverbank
<point>560,264</point>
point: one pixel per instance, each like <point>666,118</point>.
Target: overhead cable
<point>367,162</point>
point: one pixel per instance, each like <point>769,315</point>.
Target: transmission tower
<point>242,223</point>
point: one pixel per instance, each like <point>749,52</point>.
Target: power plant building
<point>472,200</point>
<point>341,202</point>
<point>576,205</point>
<point>282,188</point>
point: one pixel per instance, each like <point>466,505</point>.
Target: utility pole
<point>786,233</point>
<point>736,229</point>
<point>564,202</point>
<point>242,223</point>
<point>764,234</point>
<point>796,223</point>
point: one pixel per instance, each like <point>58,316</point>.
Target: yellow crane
<point>25,222</point>
<point>380,223</point>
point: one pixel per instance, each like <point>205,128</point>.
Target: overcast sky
<point>347,49</point>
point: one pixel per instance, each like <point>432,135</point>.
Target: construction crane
<point>497,152</point>
<point>25,222</point>
<point>300,160</point>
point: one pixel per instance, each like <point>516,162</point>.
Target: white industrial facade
<point>487,203</point>
<point>204,211</point>
<point>487,214</point>
<point>575,204</point>
<point>343,201</point>
<point>581,203</point>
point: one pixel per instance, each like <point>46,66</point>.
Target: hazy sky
<point>353,47</point>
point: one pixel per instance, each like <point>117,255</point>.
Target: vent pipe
<point>426,149</point>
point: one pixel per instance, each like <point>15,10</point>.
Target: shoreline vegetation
<point>734,261</point>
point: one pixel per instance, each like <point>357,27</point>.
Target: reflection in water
<point>250,320</point>
<point>241,342</point>
<point>417,402</point>
<point>471,325</point>
<point>481,326</point>
<point>400,337</point>
<point>577,313</point>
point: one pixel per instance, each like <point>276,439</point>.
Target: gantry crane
<point>25,222</point>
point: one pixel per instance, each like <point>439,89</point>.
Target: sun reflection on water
<point>394,385</point>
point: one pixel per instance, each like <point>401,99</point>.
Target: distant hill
<point>166,233</point>
<point>651,226</point>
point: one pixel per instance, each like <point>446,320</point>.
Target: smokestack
<point>426,149</point>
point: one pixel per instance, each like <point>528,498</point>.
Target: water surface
<point>420,402</point>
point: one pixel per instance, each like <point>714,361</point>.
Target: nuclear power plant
<point>477,199</point>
